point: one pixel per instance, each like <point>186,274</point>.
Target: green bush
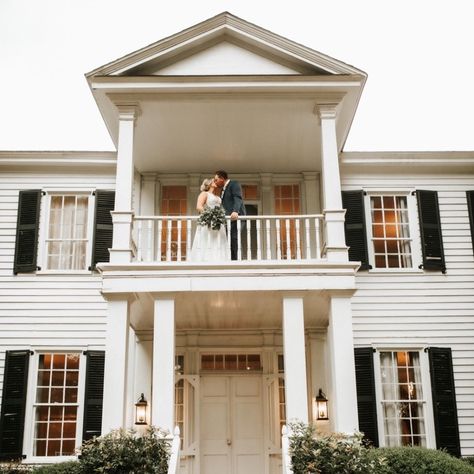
<point>13,468</point>
<point>69,467</point>
<point>124,451</point>
<point>314,453</point>
<point>469,460</point>
<point>409,460</point>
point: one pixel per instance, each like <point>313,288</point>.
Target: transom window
<point>391,239</point>
<point>249,362</point>
<point>402,398</point>
<point>56,405</point>
<point>67,237</point>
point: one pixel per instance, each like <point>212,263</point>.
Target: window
<point>391,233</point>
<point>281,392</point>
<point>402,399</point>
<point>173,203</point>
<point>287,203</point>
<point>68,230</point>
<point>56,404</point>
<point>248,362</point>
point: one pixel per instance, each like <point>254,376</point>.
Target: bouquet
<point>213,218</point>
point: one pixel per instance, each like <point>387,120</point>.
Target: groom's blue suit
<point>232,201</point>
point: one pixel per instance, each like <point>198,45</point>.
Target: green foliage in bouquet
<point>213,218</point>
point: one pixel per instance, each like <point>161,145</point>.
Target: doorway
<point>232,433</point>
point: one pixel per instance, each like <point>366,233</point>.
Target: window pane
<point>67,232</point>
<point>55,424</point>
<point>390,232</point>
<point>402,398</point>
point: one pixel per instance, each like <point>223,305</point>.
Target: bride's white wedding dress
<point>210,245</point>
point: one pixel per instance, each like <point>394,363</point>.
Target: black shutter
<point>444,400</point>
<point>94,394</point>
<point>430,230</point>
<point>366,402</point>
<point>354,227</point>
<point>470,208</point>
<point>26,244</point>
<point>12,417</point>
<point>103,227</point>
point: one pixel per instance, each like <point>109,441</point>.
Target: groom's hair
<point>222,174</point>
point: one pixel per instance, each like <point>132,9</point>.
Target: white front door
<point>231,424</point>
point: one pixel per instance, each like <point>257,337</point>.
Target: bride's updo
<point>206,184</point>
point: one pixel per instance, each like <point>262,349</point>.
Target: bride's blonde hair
<point>206,184</point>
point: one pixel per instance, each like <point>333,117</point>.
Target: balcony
<point>160,240</point>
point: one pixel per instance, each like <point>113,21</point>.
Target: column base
<point>120,255</point>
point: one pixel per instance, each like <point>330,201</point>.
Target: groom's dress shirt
<point>224,188</point>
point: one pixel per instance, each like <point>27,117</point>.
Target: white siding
<point>46,310</point>
<point>428,308</point>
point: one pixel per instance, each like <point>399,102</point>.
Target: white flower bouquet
<point>213,218</point>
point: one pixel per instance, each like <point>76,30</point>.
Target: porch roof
<point>227,94</point>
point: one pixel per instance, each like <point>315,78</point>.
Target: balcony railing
<point>163,239</point>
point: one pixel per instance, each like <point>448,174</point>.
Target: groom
<point>231,195</point>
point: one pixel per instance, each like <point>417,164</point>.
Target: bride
<point>208,244</point>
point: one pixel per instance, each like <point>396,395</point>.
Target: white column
<point>266,194</point>
<point>148,195</point>
<point>311,193</point>
<point>336,248</point>
<point>343,395</point>
<point>116,366</point>
<point>295,360</point>
<point>123,213</point>
<point>162,405</point>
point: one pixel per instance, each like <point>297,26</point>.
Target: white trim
<point>414,238</point>
<point>425,384</point>
<point>31,396</point>
<point>42,257</point>
<point>218,26</point>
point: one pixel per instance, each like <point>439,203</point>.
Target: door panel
<point>215,429</point>
<point>247,439</point>
<point>232,425</point>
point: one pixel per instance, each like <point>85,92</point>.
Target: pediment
<point>223,58</point>
<point>224,45</point>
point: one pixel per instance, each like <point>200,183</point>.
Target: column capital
<point>266,179</point>
<point>310,175</point>
<point>128,110</point>
<point>326,110</point>
<point>149,176</point>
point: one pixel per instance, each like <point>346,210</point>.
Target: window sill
<point>416,271</point>
<point>48,459</point>
<point>64,272</point>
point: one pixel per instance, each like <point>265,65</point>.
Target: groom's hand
<point>234,216</point>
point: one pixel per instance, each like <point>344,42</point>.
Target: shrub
<point>13,468</point>
<point>313,453</point>
<point>69,467</point>
<point>409,460</point>
<point>469,460</point>
<point>124,451</point>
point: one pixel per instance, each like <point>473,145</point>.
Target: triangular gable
<point>218,39</point>
<point>223,58</point>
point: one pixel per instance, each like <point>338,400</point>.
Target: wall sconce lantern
<point>140,411</point>
<point>321,406</point>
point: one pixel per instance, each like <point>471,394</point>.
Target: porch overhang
<point>226,94</point>
<point>182,277</point>
<point>227,122</point>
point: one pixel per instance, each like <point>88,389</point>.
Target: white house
<point>354,279</point>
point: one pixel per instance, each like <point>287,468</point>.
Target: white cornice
<point>226,24</point>
<point>58,158</point>
<point>415,158</point>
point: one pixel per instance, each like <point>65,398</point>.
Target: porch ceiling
<point>243,135</point>
<point>230,310</point>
